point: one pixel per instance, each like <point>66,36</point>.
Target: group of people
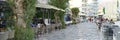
<point>100,21</point>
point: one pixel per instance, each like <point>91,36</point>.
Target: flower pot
<point>4,35</point>
<point>11,34</point>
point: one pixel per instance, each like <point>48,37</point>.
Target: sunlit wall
<point>110,8</point>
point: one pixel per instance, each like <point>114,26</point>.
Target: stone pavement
<point>81,31</point>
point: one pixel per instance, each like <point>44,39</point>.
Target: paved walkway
<point>81,31</point>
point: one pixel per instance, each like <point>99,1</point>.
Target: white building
<point>118,9</point>
<point>93,8</point>
<point>84,8</point>
<point>111,9</point>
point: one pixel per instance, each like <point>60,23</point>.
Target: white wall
<point>42,1</point>
<point>110,8</point>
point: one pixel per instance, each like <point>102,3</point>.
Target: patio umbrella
<point>47,6</point>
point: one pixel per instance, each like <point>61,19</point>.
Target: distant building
<point>118,9</point>
<point>84,7</point>
<point>93,8</point>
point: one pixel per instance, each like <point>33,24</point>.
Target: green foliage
<point>40,13</point>
<point>8,13</point>
<point>75,11</point>
<point>29,7</point>
<point>61,15</point>
<point>23,33</point>
<point>60,4</point>
<point>11,3</point>
<point>26,33</point>
<point>29,11</point>
<point>9,18</point>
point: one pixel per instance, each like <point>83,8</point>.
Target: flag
<point>104,10</point>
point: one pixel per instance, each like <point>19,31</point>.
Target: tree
<point>59,14</point>
<point>24,11</point>
<point>75,12</point>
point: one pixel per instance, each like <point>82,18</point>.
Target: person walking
<point>99,23</point>
<point>111,21</point>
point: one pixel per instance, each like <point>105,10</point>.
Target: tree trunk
<point>57,19</point>
<point>19,12</point>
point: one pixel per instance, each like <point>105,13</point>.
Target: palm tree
<point>24,11</point>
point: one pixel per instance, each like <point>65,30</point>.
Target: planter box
<point>4,35</point>
<point>11,34</point>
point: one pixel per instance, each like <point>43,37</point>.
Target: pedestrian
<point>111,21</point>
<point>99,22</point>
<point>90,19</point>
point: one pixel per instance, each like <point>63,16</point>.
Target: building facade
<point>111,9</point>
<point>118,9</point>
<point>93,8</point>
<point>84,7</point>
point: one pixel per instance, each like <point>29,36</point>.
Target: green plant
<point>23,33</point>
<point>60,4</point>
<point>40,13</point>
<point>7,18</point>
<point>26,10</point>
<point>75,11</point>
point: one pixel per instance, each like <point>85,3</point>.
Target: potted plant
<point>10,27</point>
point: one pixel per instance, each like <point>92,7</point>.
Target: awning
<point>82,14</point>
<point>100,14</point>
<point>47,6</point>
<point>90,14</point>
